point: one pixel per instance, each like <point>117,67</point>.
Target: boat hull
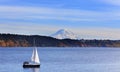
<point>31,66</point>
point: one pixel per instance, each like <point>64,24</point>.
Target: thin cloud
<point>26,28</point>
<point>7,0</point>
<point>111,2</point>
<point>20,12</point>
<point>98,33</point>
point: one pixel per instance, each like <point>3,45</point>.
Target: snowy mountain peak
<point>63,34</point>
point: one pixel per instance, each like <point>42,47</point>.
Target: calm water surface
<point>62,59</point>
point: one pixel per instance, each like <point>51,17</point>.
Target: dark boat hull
<point>31,66</point>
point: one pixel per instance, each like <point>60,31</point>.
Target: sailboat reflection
<point>35,69</point>
<point>31,70</point>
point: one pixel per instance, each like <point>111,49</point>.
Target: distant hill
<point>14,40</point>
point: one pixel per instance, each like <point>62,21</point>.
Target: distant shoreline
<point>15,40</point>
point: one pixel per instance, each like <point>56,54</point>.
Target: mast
<point>33,56</point>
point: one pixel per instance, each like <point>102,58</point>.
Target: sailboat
<point>35,62</point>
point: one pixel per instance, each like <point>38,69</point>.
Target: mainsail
<point>35,57</point>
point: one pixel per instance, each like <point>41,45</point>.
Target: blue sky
<point>90,19</point>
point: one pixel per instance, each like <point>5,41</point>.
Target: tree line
<point>15,40</point>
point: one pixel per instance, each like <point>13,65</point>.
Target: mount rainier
<point>64,34</point>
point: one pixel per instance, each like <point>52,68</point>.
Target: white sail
<point>35,57</point>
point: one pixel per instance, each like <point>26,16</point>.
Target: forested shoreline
<point>15,40</point>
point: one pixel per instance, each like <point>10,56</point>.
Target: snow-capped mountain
<point>64,34</point>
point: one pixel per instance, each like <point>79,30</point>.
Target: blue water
<point>62,59</point>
